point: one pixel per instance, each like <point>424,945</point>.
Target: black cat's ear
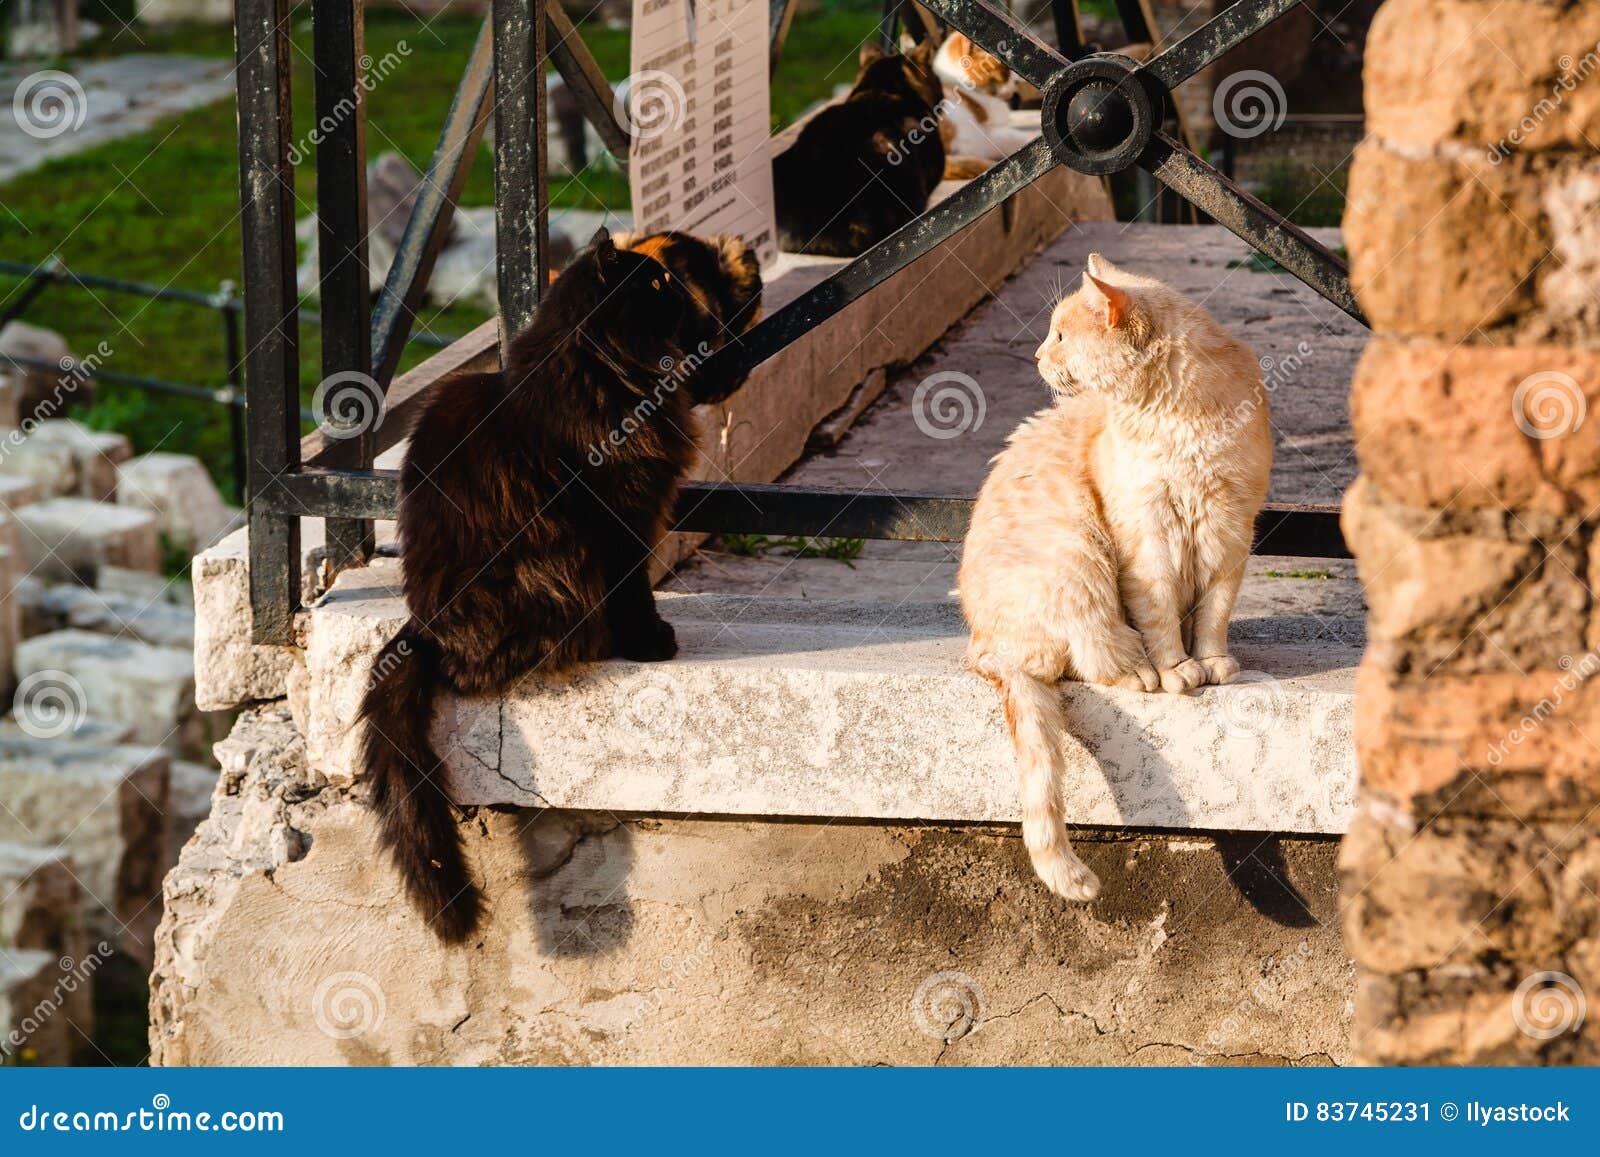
<point>602,236</point>
<point>871,53</point>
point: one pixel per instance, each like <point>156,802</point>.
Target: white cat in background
<point>975,117</point>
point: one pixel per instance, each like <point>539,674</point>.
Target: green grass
<point>161,206</point>
<point>845,550</point>
<point>1300,574</point>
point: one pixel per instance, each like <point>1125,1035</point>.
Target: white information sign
<point>698,109</point>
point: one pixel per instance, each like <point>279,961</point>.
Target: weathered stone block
<point>1493,743</point>
<point>41,904</point>
<point>1456,247</point>
<point>120,679</point>
<point>62,457</point>
<point>680,941</point>
<point>41,391</point>
<point>60,606</point>
<point>178,489</point>
<point>230,670</point>
<point>104,804</point>
<point>120,582</point>
<point>17,490</point>
<point>188,803</point>
<point>1515,598</point>
<point>71,538</point>
<point>10,607</point>
<point>33,1028</point>
<point>1478,938</point>
<point>49,466</point>
<point>1470,426</point>
<point>800,710</point>
<point>1507,75</point>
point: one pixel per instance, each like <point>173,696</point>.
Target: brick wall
<point>1471,879</point>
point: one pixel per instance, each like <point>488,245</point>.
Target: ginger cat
<point>1110,538</point>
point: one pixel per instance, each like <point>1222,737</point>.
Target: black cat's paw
<point>653,642</point>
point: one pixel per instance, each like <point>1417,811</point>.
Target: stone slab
<point>92,457</point>
<point>105,805</point>
<point>123,680</point>
<point>178,489</point>
<point>48,607</point>
<point>71,538</point>
<point>33,1027</point>
<point>852,709</point>
<point>41,902</point>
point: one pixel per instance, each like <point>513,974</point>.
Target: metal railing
<point>1102,114</point>
<point>224,302</point>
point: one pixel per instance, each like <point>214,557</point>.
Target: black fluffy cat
<point>530,501</point>
<point>862,168</point>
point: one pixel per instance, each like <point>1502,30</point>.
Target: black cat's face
<point>641,298</point>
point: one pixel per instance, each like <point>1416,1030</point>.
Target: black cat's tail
<point>415,819</point>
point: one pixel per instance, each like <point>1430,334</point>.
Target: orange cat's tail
<point>1038,722</point>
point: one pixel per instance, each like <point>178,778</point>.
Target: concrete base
<point>286,941</point>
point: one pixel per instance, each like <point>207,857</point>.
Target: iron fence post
<point>351,399</point>
<point>271,323</point>
<point>522,220</point>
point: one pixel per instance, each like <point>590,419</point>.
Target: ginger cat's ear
<point>1112,303</point>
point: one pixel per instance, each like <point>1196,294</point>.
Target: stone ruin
<point>105,762</point>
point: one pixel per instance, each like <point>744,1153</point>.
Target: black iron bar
<point>996,32</point>
<point>891,16</point>
<point>61,275</point>
<point>586,82</point>
<point>1280,239</point>
<point>339,44</point>
<point>39,280</point>
<point>232,347</point>
<point>1069,27</point>
<point>1309,531</point>
<point>1135,21</point>
<point>1230,27</point>
<point>272,356</point>
<point>780,15</point>
<point>428,227</point>
<point>217,395</point>
<point>891,255</point>
<point>521,206</point>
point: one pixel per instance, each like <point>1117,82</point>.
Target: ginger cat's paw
<point>1141,678</point>
<point>1220,668</point>
<point>1183,678</point>
<point>1068,877</point>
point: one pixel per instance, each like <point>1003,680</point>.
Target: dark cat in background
<point>530,502</point>
<point>862,168</point>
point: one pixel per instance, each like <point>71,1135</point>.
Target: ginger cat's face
<point>1096,333</point>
